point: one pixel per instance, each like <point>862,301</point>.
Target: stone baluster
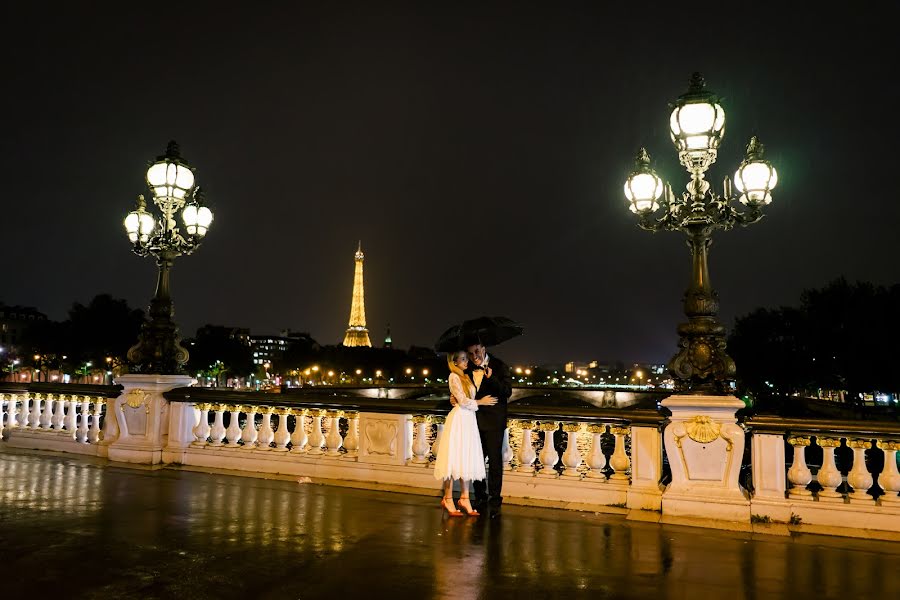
<point>316,439</point>
<point>71,422</point>
<point>506,452</point>
<point>619,460</point>
<point>799,474</point>
<point>439,431</point>
<point>59,415</point>
<point>571,458</point>
<point>526,450</point>
<point>828,476</point>
<point>24,412</point>
<point>233,433</point>
<point>83,417</point>
<point>266,434</point>
<point>420,446</point>
<point>217,432</point>
<point>35,419</point>
<point>334,441</point>
<point>282,436</point>
<point>94,435</point>
<point>47,413</point>
<point>249,433</point>
<point>299,437</point>
<point>11,410</point>
<point>549,456</point>
<point>201,430</point>
<point>597,461</point>
<point>351,442</point>
<point>890,476</point>
<point>859,478</point>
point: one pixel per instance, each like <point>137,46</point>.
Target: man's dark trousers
<point>491,425</point>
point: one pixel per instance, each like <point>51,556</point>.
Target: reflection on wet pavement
<point>80,529</point>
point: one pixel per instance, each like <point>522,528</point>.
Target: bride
<point>459,454</point>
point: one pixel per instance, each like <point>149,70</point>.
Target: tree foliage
<point>840,337</point>
<point>215,352</point>
<point>104,328</point>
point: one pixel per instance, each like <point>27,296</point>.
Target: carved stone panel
<point>383,438</point>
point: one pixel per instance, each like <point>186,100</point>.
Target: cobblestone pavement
<point>76,528</point>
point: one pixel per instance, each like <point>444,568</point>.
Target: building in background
<point>15,321</point>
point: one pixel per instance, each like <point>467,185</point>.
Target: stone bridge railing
<point>632,453</point>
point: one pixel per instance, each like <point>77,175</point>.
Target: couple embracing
<point>480,386</point>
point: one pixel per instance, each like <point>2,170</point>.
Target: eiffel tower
<point>357,334</point>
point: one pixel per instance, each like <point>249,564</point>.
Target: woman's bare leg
<point>464,503</point>
<point>448,495</point>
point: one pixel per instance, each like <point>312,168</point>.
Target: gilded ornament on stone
<point>136,397</point>
<point>702,429</point>
<point>888,445</point>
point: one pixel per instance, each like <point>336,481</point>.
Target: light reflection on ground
<point>84,530</point>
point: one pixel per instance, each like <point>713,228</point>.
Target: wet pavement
<point>73,528</point>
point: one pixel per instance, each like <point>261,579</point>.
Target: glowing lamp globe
<point>139,224</point>
<point>756,177</point>
<point>169,176</point>
<point>643,187</point>
<point>697,123</point>
<point>196,219</point>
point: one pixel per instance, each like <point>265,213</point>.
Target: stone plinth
<point>704,445</point>
<point>142,417</point>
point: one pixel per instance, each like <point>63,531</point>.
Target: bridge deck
<point>77,528</point>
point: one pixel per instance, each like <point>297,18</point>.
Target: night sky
<point>478,153</point>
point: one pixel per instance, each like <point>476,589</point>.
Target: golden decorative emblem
<point>136,397</point>
<point>702,429</point>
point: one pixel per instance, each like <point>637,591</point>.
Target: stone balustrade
<point>70,422</point>
<point>821,476</point>
<point>841,474</point>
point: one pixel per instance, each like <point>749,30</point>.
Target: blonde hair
<point>454,368</point>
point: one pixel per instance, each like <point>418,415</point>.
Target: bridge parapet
<point>560,448</point>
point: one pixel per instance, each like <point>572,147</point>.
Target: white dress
<point>459,454</point>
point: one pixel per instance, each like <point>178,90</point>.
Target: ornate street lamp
<point>171,181</point>
<point>697,125</point>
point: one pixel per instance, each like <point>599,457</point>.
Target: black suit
<point>491,424</point>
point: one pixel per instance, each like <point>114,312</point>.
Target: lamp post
<point>171,181</point>
<point>697,124</point>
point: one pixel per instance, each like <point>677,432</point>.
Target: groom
<point>491,378</point>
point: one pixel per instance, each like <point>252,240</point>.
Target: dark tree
<point>217,352</point>
<point>842,337</point>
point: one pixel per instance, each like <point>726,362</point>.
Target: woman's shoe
<point>467,508</point>
<point>453,513</point>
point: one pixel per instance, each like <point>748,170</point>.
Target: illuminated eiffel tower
<point>357,334</point>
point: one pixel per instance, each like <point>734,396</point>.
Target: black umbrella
<point>489,331</point>
<point>450,341</point>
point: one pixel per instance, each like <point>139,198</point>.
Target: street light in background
<point>697,124</point>
<point>171,181</point>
